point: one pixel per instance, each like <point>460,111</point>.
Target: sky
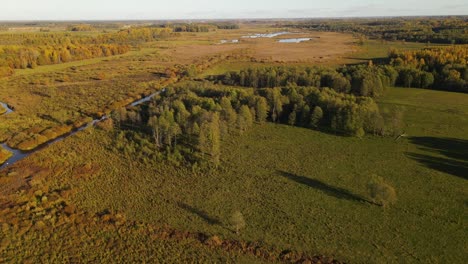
<point>217,9</point>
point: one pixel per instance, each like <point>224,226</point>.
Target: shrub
<point>237,221</point>
<point>381,192</point>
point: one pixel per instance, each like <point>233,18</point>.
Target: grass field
<point>378,49</point>
<point>353,53</point>
<point>303,189</point>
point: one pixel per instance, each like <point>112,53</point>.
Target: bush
<point>381,192</point>
<point>237,221</point>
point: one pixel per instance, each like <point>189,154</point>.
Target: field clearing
<point>378,50</point>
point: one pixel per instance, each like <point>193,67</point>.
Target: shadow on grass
<point>333,191</point>
<point>454,152</point>
<point>381,60</point>
<point>202,214</point>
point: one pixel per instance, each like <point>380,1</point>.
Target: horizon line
<point>224,19</point>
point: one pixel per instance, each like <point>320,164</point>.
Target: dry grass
<point>325,48</point>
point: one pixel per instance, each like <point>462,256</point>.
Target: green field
<point>303,189</point>
<point>378,49</point>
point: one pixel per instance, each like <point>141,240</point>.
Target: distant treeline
<point>34,49</point>
<point>199,27</point>
<point>437,68</point>
<point>228,26</point>
<point>81,27</point>
<point>30,57</point>
<point>449,30</point>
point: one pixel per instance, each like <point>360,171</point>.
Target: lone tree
<point>381,192</point>
<point>237,221</point>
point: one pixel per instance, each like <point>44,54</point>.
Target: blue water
<point>267,35</point>
<point>294,40</point>
<point>7,108</point>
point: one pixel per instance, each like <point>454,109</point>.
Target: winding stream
<point>19,154</point>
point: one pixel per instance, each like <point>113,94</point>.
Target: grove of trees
<point>190,120</point>
<point>359,80</point>
<point>438,68</point>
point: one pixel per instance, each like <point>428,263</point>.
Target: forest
<point>435,68</point>
<point>451,30</point>
<point>34,50</point>
<point>359,80</point>
<point>188,121</point>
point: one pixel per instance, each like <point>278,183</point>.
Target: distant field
<point>324,48</point>
<point>371,50</point>
<point>378,49</point>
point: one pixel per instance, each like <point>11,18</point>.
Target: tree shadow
<point>454,152</point>
<point>202,214</point>
<point>330,190</point>
<point>379,60</point>
<point>450,147</point>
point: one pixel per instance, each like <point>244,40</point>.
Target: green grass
<point>375,49</point>
<point>224,67</point>
<point>430,112</point>
<point>299,188</point>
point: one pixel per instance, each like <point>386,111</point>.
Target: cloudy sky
<point>209,9</point>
